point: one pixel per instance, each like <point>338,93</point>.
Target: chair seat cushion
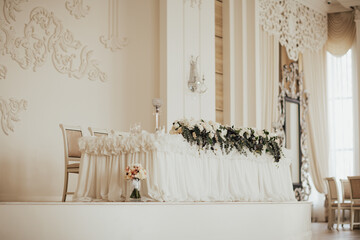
<point>74,165</point>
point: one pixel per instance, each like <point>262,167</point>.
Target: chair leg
<point>330,219</point>
<point>352,219</point>
<point>66,179</point>
<point>343,217</point>
<point>338,219</point>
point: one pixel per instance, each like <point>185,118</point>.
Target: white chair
<point>71,135</point>
<point>345,186</point>
<point>334,203</point>
<point>97,132</point>
<point>355,199</point>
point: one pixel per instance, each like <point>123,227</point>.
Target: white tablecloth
<point>178,171</point>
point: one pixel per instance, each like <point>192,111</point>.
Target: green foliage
<point>229,138</point>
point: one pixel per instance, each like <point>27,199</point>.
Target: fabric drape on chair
<point>269,77</point>
<point>314,64</point>
<point>341,33</point>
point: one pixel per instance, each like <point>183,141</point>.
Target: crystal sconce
<point>195,83</point>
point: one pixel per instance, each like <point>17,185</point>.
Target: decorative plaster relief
<point>113,41</point>
<point>357,14</point>
<point>45,35</point>
<point>297,26</point>
<point>77,8</point>
<point>10,113</point>
<point>10,7</point>
<point>3,72</point>
<point>292,86</point>
<point>194,3</point>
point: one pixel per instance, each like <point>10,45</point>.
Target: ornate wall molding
<point>113,41</point>
<point>77,8</point>
<point>357,14</point>
<point>45,35</point>
<point>10,113</point>
<point>10,7</point>
<point>194,3</point>
<point>291,85</point>
<point>297,26</point>
<point>3,72</point>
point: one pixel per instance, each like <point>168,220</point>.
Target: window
<point>340,104</point>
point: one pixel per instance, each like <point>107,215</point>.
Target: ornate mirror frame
<point>292,90</point>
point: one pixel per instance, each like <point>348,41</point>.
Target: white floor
<point>182,221</point>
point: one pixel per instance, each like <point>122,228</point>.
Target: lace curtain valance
<point>297,26</point>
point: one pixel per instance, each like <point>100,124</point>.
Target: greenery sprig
<point>207,134</point>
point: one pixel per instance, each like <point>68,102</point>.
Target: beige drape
<point>314,64</point>
<point>356,59</point>
<point>341,32</point>
<point>269,77</point>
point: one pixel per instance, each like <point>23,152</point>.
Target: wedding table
<point>178,171</point>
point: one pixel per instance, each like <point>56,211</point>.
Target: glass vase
<point>135,193</point>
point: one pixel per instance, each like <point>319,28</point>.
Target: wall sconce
<point>195,83</point>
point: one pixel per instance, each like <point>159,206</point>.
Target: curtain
<point>341,32</point>
<point>356,64</point>
<point>269,77</point>
<point>315,82</point>
<point>340,97</point>
<point>314,64</point>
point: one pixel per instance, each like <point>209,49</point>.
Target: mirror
<point>292,138</point>
<point>292,128</point>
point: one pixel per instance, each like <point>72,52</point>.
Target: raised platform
<point>170,221</point>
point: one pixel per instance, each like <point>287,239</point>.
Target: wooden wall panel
<point>219,89</point>
<point>219,92</point>
<point>219,55</point>
<point>218,19</point>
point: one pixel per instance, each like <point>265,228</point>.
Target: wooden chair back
<point>98,132</point>
<point>71,136</point>
<point>345,186</point>
<point>333,194</point>
<point>354,188</point>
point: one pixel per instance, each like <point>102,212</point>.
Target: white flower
<point>223,133</point>
<point>272,134</point>
<point>211,135</point>
<point>260,133</point>
<point>207,127</point>
<point>200,127</point>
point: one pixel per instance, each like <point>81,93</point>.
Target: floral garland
<point>207,134</point>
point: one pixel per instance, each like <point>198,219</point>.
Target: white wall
<point>32,157</point>
<point>187,29</point>
<point>241,90</point>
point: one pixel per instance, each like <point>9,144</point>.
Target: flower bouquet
<point>135,173</point>
<point>206,134</point>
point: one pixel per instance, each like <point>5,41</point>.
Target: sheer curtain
<point>340,106</point>
<point>269,77</point>
<point>315,82</point>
